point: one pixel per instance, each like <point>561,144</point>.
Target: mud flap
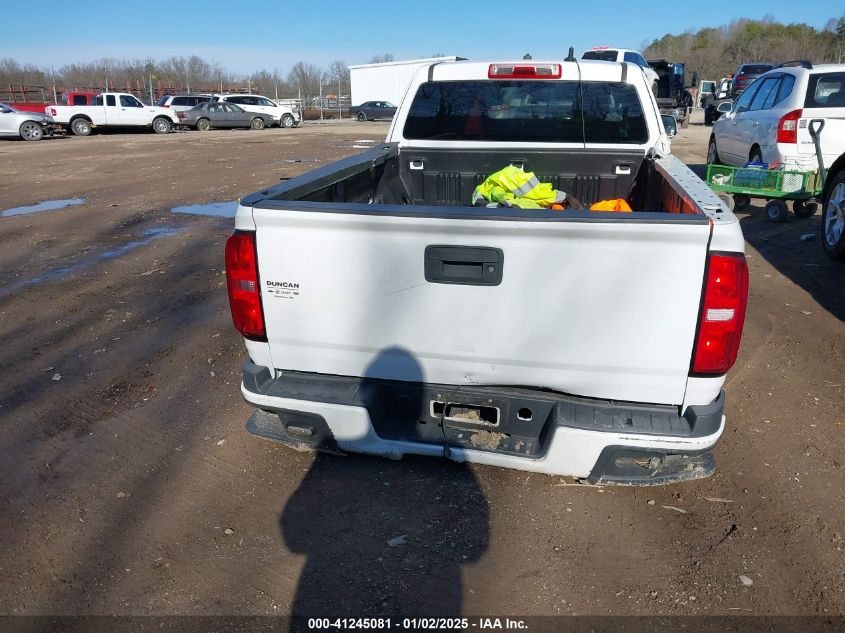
<point>620,465</point>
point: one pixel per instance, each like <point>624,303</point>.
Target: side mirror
<point>670,124</point>
<point>724,107</point>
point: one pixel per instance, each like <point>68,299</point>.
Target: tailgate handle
<point>465,265</point>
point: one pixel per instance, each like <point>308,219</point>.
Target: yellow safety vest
<point>512,187</point>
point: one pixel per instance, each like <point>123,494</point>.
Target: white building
<point>387,81</point>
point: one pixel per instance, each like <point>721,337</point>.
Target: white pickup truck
<point>113,109</point>
<point>385,314</point>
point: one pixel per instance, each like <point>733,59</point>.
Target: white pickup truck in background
<point>113,109</point>
<point>385,314</point>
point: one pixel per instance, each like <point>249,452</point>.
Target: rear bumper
<point>679,113</point>
<point>535,431</point>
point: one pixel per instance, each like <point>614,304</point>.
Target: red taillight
<point>52,111</point>
<point>524,71</point>
<point>165,106</point>
<point>788,127</point>
<point>244,289</point>
<point>180,114</point>
<point>722,314</point>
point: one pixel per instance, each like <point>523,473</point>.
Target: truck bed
<point>445,178</point>
<point>385,253</point>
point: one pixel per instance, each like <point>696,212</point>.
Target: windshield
<point>6,108</point>
<point>602,56</point>
<point>527,111</point>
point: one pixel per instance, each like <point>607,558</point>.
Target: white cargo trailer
<point>387,81</point>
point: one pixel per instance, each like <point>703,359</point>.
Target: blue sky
<point>250,35</point>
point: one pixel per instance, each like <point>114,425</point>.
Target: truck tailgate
<point>597,308</point>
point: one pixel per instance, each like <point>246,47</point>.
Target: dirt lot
<point>128,484</point>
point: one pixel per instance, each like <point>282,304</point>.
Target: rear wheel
<point>31,131</point>
<point>361,116</point>
<point>81,127</point>
<point>833,220</point>
<point>161,126</point>
<point>712,152</point>
<point>777,211</point>
<point>203,125</point>
<point>256,124</point>
<point>804,208</point>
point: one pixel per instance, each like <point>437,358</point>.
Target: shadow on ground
<point>385,538</point>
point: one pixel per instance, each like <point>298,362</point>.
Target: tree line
<point>715,52</point>
<point>192,72</point>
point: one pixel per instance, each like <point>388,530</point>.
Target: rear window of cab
<point>527,111</point>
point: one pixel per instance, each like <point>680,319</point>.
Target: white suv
<point>284,116</point>
<point>770,123</point>
<point>607,54</point>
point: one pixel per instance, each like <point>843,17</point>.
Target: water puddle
<point>47,205</point>
<point>218,209</point>
<point>146,237</point>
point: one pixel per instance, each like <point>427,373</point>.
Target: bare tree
<point>338,75</point>
<point>305,77</point>
<point>380,59</point>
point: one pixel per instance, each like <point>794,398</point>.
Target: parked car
<point>283,116</point>
<point>214,114</point>
<point>372,110</point>
<point>746,74</point>
<point>711,102</point>
<point>770,123</point>
<point>705,89</point>
<point>30,126</point>
<point>182,102</point>
<point>607,54</point>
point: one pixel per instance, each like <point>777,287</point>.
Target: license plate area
<point>461,413</point>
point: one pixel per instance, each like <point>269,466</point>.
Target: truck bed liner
<point>384,176</point>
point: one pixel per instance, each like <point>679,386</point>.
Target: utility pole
<point>321,99</point>
<point>53,76</point>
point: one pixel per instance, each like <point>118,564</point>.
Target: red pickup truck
<point>67,98</point>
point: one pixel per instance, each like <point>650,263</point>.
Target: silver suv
<point>770,122</point>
